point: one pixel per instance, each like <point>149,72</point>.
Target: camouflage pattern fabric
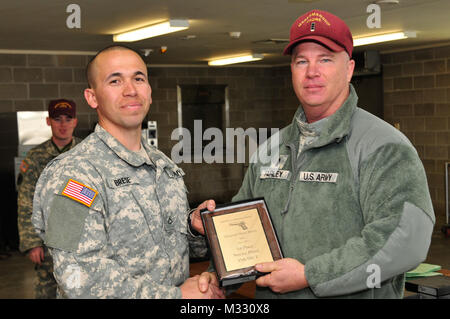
<point>30,169</point>
<point>307,135</point>
<point>45,286</point>
<point>129,237</point>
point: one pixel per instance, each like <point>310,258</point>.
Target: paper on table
<point>424,270</point>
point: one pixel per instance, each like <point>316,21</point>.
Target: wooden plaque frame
<point>247,273</point>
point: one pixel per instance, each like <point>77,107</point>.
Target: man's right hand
<point>36,255</point>
<point>190,289</point>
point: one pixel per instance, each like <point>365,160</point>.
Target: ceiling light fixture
<point>384,38</point>
<point>150,31</point>
<point>387,2</point>
<point>236,59</point>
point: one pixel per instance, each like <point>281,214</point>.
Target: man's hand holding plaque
<point>196,219</point>
<point>283,276</point>
<point>240,235</point>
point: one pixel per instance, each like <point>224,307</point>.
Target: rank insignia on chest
<point>79,192</point>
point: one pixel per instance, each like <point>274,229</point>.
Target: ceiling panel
<point>41,25</point>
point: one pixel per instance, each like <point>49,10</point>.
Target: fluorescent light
<point>236,59</point>
<point>151,31</point>
<point>384,38</point>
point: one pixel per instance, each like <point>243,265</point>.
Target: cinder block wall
<point>417,96</point>
<point>29,81</point>
<point>259,97</point>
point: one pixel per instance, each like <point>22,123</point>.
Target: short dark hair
<point>89,76</point>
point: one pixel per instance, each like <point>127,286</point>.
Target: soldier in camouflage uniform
<point>114,211</point>
<point>62,120</point>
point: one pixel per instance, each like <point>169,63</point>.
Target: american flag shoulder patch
<point>79,192</point>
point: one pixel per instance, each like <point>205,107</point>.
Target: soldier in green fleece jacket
<point>354,213</point>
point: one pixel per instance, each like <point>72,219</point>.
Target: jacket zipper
<point>295,168</point>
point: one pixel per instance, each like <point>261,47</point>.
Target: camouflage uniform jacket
<point>30,169</point>
<point>133,239</point>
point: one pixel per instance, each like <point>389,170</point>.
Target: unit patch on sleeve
<point>318,177</point>
<point>23,166</point>
<point>79,192</point>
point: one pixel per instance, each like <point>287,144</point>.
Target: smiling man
<point>320,79</point>
<point>354,213</point>
<point>62,121</point>
<point>114,210</point>
<point>374,210</point>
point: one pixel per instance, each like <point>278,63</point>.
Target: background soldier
<point>62,120</point>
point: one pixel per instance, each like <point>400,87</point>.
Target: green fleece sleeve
<point>399,219</point>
